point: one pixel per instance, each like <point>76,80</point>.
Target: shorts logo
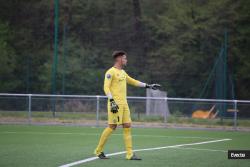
<point>108,76</point>
<point>114,121</point>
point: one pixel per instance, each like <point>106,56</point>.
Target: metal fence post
<point>165,113</point>
<point>97,110</point>
<point>235,115</point>
<point>29,110</point>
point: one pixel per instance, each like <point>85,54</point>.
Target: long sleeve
<point>107,83</point>
<point>133,81</point>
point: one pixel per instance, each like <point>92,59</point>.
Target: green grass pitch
<point>35,146</point>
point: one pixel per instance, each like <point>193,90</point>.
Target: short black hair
<point>118,53</point>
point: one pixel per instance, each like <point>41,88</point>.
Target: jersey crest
<point>108,76</point>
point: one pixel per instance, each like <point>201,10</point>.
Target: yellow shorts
<point>121,117</point>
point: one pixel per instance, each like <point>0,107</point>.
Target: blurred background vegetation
<point>171,42</point>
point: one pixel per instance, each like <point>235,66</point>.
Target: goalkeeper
<point>115,87</point>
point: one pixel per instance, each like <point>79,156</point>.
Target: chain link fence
<point>92,111</point>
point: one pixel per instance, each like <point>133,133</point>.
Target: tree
<point>8,62</point>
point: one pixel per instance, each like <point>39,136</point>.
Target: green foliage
<point>174,42</point>
<point>7,60</point>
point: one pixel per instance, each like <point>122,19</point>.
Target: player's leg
<point>103,139</point>
<point>105,134</point>
<point>127,134</point>
<point>127,139</point>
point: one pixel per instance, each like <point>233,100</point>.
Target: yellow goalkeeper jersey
<point>115,83</point>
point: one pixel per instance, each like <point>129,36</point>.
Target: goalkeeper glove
<point>114,106</point>
<point>153,86</point>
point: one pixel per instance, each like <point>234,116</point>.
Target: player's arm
<point>137,83</point>
<point>107,84</point>
<point>106,87</point>
<point>134,82</point>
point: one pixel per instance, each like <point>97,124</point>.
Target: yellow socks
<point>128,142</point>
<point>105,134</point>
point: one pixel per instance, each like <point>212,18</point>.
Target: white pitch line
<point>97,134</point>
<point>146,149</point>
<point>199,149</point>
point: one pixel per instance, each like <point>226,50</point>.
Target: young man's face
<point>122,60</point>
